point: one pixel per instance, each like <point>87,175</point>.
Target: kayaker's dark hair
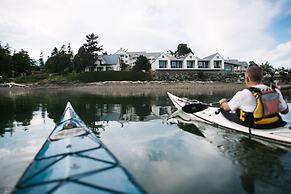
<point>255,73</point>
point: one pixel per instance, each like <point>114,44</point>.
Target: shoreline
<point>129,88</point>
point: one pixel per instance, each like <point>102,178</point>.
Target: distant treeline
<point>14,64</point>
<point>63,62</point>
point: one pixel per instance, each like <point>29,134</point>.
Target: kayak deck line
<point>246,133</point>
<point>280,135</point>
<point>74,163</point>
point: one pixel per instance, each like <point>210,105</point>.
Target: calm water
<point>163,156</point>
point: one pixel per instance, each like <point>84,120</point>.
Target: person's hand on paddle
<point>223,104</point>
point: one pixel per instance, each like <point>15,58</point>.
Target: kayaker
<point>258,105</point>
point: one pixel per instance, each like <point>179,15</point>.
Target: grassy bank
<point>111,76</point>
<point>82,77</point>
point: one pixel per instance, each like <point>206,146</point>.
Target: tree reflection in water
<point>260,164</point>
<point>19,110</point>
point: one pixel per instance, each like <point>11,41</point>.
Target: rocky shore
<point>125,88</point>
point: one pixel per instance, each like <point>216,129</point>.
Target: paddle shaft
<point>285,87</point>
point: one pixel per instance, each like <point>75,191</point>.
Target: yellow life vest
<point>267,107</point>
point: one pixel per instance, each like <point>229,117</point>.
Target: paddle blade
<point>194,107</point>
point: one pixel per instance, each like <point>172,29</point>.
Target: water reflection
<point>165,158</point>
<point>260,163</point>
<point>19,109</point>
<point>15,111</point>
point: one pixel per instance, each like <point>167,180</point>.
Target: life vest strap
<point>267,106</point>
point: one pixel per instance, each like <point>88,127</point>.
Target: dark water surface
<point>163,156</point>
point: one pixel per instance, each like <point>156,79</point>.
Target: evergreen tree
<point>91,45</point>
<point>55,52</point>
<point>142,64</point>
<point>5,60</point>
<point>70,52</point>
<point>82,59</point>
<point>60,61</point>
<point>21,63</point>
<point>63,49</point>
<point>40,60</point>
<point>87,54</point>
<point>182,50</point>
<point>268,69</point>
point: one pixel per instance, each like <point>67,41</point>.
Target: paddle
<point>287,87</point>
<point>196,106</point>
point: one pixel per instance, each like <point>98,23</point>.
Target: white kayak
<point>281,135</point>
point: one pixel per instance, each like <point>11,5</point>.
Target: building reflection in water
<point>259,163</point>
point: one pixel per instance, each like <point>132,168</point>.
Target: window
<point>203,64</point>
<point>217,57</point>
<point>228,69</point>
<point>98,62</point>
<point>217,64</point>
<point>176,64</point>
<point>163,56</point>
<point>163,111</point>
<point>108,68</point>
<point>163,64</point>
<point>190,64</point>
<point>99,68</point>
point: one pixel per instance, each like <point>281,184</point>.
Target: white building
<point>129,58</point>
<point>234,65</point>
<point>105,63</point>
<point>167,61</point>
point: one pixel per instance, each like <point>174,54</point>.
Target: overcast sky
<point>258,30</point>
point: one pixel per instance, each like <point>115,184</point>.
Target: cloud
<point>280,54</point>
<point>234,28</point>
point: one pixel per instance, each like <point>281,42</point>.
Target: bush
<point>31,78</point>
<point>112,76</point>
<point>201,76</point>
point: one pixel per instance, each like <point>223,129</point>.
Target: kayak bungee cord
<point>201,113</point>
<point>75,163</point>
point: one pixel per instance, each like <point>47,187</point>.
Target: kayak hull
<point>281,135</point>
<point>75,162</point>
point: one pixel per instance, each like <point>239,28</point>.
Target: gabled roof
<point>232,61</point>
<point>211,56</point>
<point>109,59</point>
<point>237,63</point>
<point>244,64</point>
<point>152,54</point>
<point>172,57</point>
<point>120,51</point>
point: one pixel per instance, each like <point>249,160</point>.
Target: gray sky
<point>258,30</point>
